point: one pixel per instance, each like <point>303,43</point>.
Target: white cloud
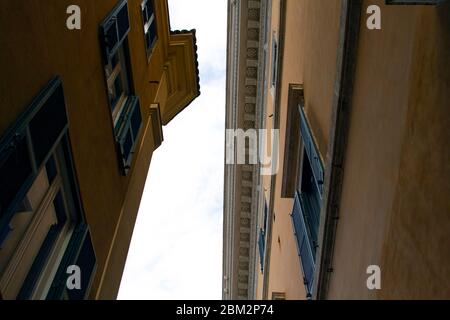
<point>176,250</point>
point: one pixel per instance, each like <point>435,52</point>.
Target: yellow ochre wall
<point>36,46</point>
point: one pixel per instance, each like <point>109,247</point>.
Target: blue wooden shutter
<point>128,135</point>
<point>114,29</point>
<point>312,151</point>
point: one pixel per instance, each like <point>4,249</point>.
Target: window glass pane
<point>52,170</point>
<point>311,199</point>
<point>128,144</point>
<point>145,14</point>
<point>47,125</point>
<point>21,221</point>
<point>115,92</point>
<point>22,218</point>
<point>109,68</point>
<point>118,87</point>
<point>115,59</point>
<point>152,35</point>
<point>15,169</point>
<point>150,10</point>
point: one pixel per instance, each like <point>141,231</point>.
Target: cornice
<point>243,111</point>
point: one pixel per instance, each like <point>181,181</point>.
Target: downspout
<point>281,40</point>
<point>341,112</point>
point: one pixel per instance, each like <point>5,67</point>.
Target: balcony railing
<point>305,247</point>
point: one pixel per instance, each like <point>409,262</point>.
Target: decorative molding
<point>243,111</point>
<point>156,123</point>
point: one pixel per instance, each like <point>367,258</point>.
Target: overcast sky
<point>176,250</point>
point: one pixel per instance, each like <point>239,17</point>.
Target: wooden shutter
<point>312,151</point>
<point>305,251</point>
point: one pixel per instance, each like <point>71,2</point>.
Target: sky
<point>176,249</point>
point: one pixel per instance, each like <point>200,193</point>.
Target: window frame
<point>57,146</point>
<point>303,180</point>
<point>275,59</point>
<point>147,28</point>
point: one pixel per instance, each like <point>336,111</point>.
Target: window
<point>274,61</point>
<point>40,205</point>
<point>149,20</point>
<point>118,84</point>
<point>303,164</point>
<point>278,296</point>
<point>262,237</point>
<point>125,107</point>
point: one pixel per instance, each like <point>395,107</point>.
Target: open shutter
<point>128,136</point>
<point>312,151</point>
<point>114,29</point>
<point>304,248</point>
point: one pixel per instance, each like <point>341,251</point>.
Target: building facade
<point>358,206</point>
<point>87,87</point>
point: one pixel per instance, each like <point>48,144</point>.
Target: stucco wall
<point>395,200</point>
<point>416,259</point>
<point>37,47</point>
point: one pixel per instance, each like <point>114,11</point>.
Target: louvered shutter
<point>312,151</point>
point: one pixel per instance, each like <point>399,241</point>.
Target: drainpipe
<point>341,111</point>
